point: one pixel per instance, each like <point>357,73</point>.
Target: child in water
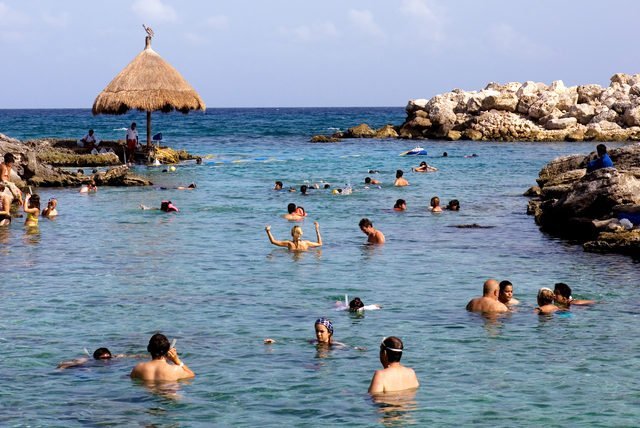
<point>31,207</point>
<point>51,210</point>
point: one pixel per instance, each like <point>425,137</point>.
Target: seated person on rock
<point>602,161</point>
<point>89,141</point>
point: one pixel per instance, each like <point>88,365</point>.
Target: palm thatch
<point>148,83</point>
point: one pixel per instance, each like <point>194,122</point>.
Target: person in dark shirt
<point>602,161</point>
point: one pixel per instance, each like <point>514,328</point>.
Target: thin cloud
<point>311,33</point>
<point>428,21</point>
<point>506,39</point>
<point>364,21</point>
<point>14,25</point>
<point>59,21</point>
<point>154,10</point>
<point>217,22</point>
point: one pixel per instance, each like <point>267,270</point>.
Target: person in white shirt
<point>132,141</point>
<point>89,140</point>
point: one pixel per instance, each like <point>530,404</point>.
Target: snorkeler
<point>374,236</point>
<point>394,376</point>
<point>355,305</point>
<point>158,369</point>
<point>505,295</point>
<point>166,206</point>
<point>296,244</point>
<point>488,303</point>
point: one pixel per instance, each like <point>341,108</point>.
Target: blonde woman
<point>296,244</point>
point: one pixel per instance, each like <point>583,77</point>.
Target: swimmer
<point>31,207</point>
<point>198,161</point>
<point>445,154</point>
<point>373,236</point>
<point>506,293</point>
<point>89,188</point>
<point>471,156</point>
<point>166,206</point>
<point>562,296</point>
<point>453,205</point>
<point>324,331</point>
<point>435,205</point>
<point>189,187</point>
<point>292,213</point>
<point>424,167</point>
<point>394,376</point>
<point>374,171</point>
<point>545,302</point>
<point>400,205</point>
<point>158,369</point>
<point>300,211</point>
<point>51,210</point>
<point>5,206</point>
<point>369,181</point>
<point>296,244</point>
<point>355,305</point>
<point>278,185</point>
<point>100,354</point>
<point>303,189</point>
<point>489,302</point>
<point>400,180</point>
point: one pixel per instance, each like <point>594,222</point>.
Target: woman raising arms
<point>296,244</point>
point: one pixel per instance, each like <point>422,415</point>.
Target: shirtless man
<point>158,369</point>
<point>296,244</point>
<point>394,376</point>
<point>562,293</point>
<point>292,213</point>
<point>506,293</point>
<point>489,302</point>
<point>400,180</point>
<point>373,236</point>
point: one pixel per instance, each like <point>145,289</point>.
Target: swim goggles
<point>383,346</point>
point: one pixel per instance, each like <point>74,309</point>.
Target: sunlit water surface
<point>105,273</point>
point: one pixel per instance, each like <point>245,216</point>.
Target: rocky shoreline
<point>529,111</point>
<point>600,209</point>
<point>38,163</point>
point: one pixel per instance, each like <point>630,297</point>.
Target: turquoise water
<point>105,273</point>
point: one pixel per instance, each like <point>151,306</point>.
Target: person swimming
<point>435,205</point>
<point>453,205</point>
<point>394,376</point>
<point>355,305</point>
<point>545,302</point>
<point>400,205</point>
<point>50,210</point>
<point>278,185</point>
<point>425,167</point>
<point>166,206</point>
<point>296,244</point>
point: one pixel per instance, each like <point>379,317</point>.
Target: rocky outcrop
<point>531,111</point>
<point>591,207</point>
<point>31,170</point>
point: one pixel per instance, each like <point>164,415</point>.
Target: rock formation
<point>591,207</point>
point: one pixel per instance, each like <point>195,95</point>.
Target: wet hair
<point>9,158</point>
<point>399,173</point>
<point>435,201</point>
<point>327,185</point>
<point>367,180</point>
<point>373,171</point>
<point>192,186</point>
<point>355,304</point>
<point>365,222</point>
<point>563,289</point>
<point>279,184</point>
<point>545,296</point>
<point>102,354</point>
<point>445,154</point>
<point>423,163</point>
<point>34,201</point>
<point>601,149</point>
<point>453,205</point>
<point>291,208</point>
<point>303,189</point>
<point>504,284</point>
<point>399,202</point>
<point>158,345</point>
<point>167,206</point>
<point>393,347</point>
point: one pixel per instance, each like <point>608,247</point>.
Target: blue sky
<point>295,53</point>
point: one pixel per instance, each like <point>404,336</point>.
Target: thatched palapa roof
<point>148,83</point>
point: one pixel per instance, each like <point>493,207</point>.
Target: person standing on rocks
<point>132,142</point>
<point>602,161</point>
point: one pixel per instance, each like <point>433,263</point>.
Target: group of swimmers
<point>498,298</point>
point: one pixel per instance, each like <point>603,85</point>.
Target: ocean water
<point>105,273</point>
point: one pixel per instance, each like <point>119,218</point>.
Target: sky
<point>297,53</point>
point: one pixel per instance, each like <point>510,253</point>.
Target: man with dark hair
<point>602,161</point>
<point>394,376</point>
<point>563,296</point>
<point>373,236</point>
<point>158,369</point>
<point>5,176</point>
<point>400,180</point>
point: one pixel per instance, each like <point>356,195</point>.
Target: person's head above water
<point>365,223</point>
<point>102,354</point>
<point>399,173</point>
<point>324,330</point>
<point>445,154</point>
<point>303,189</point>
<point>296,232</point>
<point>391,349</point>
<point>562,292</point>
<point>490,288</point>
<point>453,205</point>
<point>367,180</point>
<point>167,206</point>
<point>545,296</point>
<point>158,346</point>
<point>278,185</point>
<point>400,205</point>
<point>423,163</point>
<point>506,291</point>
<point>291,208</point>
<point>435,201</point>
<point>356,304</point>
